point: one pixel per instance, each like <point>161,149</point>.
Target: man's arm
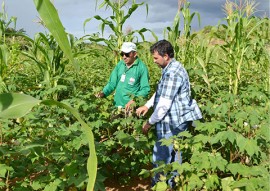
<point>171,85</point>
<point>160,111</point>
<point>143,109</point>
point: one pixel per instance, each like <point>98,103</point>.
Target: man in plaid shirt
<point>174,109</point>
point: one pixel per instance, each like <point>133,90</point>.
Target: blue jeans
<point>166,153</point>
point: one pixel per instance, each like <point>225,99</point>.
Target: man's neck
<point>129,65</point>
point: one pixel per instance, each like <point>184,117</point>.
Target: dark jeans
<point>166,153</point>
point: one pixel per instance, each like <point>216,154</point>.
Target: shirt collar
<point>168,65</point>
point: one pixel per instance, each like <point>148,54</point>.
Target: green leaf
<point>36,185</point>
<point>53,185</point>
<point>195,182</point>
<point>200,160</point>
<point>145,173</point>
<point>244,184</point>
<point>184,134</point>
<point>247,145</point>
<point>226,182</point>
<point>181,168</point>
<point>15,105</point>
<point>224,136</point>
<point>212,181</point>
<point>162,186</point>
<point>92,159</point>
<point>217,161</point>
<point>202,138</point>
<point>3,170</point>
<point>50,17</point>
<point>237,168</point>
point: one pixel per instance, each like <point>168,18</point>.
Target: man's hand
<point>100,95</point>
<point>141,111</point>
<point>128,106</point>
<point>146,128</point>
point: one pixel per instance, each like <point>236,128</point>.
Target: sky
<point>161,14</point>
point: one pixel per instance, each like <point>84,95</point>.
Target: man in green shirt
<point>129,77</point>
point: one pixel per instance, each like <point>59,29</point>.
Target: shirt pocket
<point>131,81</point>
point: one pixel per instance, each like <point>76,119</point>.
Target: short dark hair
<point>163,47</point>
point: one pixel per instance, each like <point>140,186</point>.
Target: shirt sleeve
<point>111,85</point>
<point>171,84</point>
<point>160,111</point>
<point>144,83</point>
<point>150,102</point>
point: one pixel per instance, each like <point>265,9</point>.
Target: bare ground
<point>136,184</point>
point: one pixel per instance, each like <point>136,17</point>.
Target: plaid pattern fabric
<point>174,85</point>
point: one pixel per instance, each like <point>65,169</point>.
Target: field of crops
<point>56,135</point>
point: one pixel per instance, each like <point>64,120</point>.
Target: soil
<point>136,184</point>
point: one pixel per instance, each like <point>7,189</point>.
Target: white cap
<point>128,47</point>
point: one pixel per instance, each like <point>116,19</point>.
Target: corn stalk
<point>239,43</point>
<point>116,23</point>
<point>187,37</point>
<point>49,57</point>
<point>51,20</point>
<point>5,25</point>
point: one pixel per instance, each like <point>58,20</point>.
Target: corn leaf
<point>50,17</point>
<point>16,105</point>
<point>92,159</point>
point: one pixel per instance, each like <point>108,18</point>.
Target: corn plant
<point>187,37</point>
<point>5,26</point>
<point>3,67</point>
<point>50,17</point>
<point>116,23</point>
<point>51,20</point>
<point>5,23</point>
<point>262,50</point>
<point>46,53</point>
<point>239,41</point>
<point>172,34</point>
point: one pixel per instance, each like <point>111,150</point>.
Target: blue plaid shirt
<point>174,85</point>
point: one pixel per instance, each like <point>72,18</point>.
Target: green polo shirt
<point>127,82</point>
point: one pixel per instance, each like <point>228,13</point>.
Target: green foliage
<point>10,104</point>
<point>116,23</point>
<point>241,44</point>
<point>46,149</point>
<point>232,145</point>
<point>7,55</point>
<point>50,17</point>
<point>173,34</point>
<point>46,53</point>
